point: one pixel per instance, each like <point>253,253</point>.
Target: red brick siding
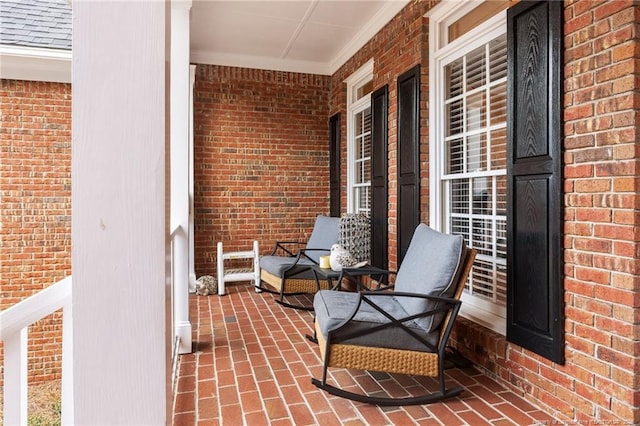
<point>601,220</point>
<point>261,158</point>
<point>35,192</point>
<point>602,103</point>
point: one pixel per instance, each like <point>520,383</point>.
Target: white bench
<point>238,274</point>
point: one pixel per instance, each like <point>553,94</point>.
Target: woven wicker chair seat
<point>379,359</point>
<point>293,285</point>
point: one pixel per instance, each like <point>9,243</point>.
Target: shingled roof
<point>36,23</point>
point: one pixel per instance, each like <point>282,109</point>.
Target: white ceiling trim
<point>384,15</point>
<point>259,62</point>
<point>36,64</point>
<point>301,25</point>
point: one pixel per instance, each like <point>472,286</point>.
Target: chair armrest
<point>305,250</point>
<point>303,255</point>
<point>281,245</point>
<point>444,306</point>
<point>377,274</point>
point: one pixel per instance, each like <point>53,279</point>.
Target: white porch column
<point>120,236</point>
<point>180,123</point>
<point>192,213</point>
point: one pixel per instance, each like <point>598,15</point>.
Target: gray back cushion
<point>429,267</point>
<point>323,236</point>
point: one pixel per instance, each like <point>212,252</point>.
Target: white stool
<point>238,274</point>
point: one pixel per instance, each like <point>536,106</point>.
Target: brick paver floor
<point>252,365</point>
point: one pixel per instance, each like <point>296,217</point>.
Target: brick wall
<point>261,158</point>
<point>35,193</point>
<point>602,102</point>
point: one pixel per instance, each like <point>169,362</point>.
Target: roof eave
<point>35,64</point>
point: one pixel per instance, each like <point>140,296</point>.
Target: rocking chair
<point>401,331</point>
<point>287,270</point>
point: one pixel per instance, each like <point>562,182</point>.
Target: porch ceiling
<point>311,36</point>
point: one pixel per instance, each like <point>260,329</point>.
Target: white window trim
<point>443,15</point>
<point>487,314</point>
<point>355,80</point>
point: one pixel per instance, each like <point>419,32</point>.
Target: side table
<point>357,273</point>
<point>327,274</point>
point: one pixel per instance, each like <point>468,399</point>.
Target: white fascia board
<point>366,33</point>
<point>258,62</point>
<point>35,64</point>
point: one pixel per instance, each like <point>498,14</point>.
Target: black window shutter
<point>408,158</point>
<point>379,177</point>
<point>535,303</point>
<point>334,165</point>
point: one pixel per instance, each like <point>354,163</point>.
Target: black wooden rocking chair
<point>401,331</point>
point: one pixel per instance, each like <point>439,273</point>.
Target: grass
<point>45,406</point>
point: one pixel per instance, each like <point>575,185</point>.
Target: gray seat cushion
<point>278,265</point>
<point>430,267</point>
<point>333,307</point>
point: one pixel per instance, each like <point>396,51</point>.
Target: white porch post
<point>120,236</point>
<point>192,249</point>
<point>180,123</point>
<point>15,403</point>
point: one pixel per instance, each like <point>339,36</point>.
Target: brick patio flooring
<point>252,365</point>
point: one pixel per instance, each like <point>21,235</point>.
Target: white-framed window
<point>359,88</point>
<point>468,154</point>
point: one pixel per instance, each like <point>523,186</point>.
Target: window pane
<point>482,199</point>
<point>498,149</point>
<point>362,134</point>
<point>454,74</point>
<point>359,172</point>
<point>498,57</point>
<point>501,285</point>
<point>455,156</point>
<point>476,68</point>
<point>476,152</point>
<point>476,112</point>
<point>363,199</point>
<point>482,279</point>
<point>366,172</point>
<point>501,195</point>
<point>460,226</point>
<point>366,146</point>
<point>476,17</point>
<point>454,118</point>
<point>364,89</point>
<point>366,120</point>
<point>459,196</point>
<point>359,147</point>
<point>498,102</point>
<point>501,238</point>
<point>482,236</point>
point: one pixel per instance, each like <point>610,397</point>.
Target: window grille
<point>474,169</point>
